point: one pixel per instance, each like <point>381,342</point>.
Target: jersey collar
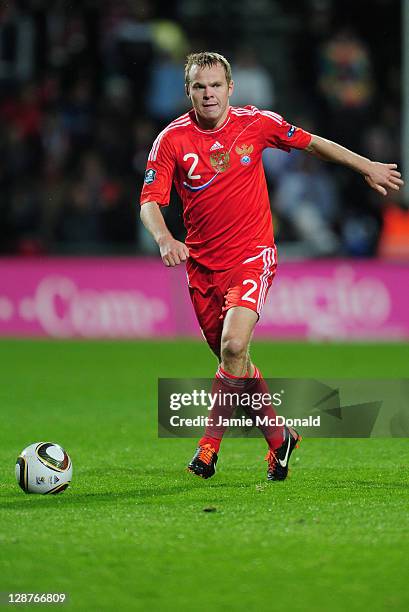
<point>194,122</point>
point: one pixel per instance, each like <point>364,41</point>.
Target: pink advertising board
<point>137,298</point>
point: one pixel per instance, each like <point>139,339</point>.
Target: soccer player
<point>213,154</point>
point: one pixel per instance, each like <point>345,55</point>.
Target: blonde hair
<point>206,59</point>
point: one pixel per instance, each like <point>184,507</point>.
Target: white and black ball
<point>43,467</point>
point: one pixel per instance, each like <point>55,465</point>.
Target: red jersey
<point>220,179</point>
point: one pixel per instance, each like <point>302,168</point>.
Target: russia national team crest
<point>245,151</point>
<point>220,160</point>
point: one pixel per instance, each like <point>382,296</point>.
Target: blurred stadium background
<point>86,86</point>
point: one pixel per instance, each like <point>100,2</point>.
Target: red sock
<point>274,435</point>
<point>225,383</point>
<point>228,383</point>
<point>214,442</point>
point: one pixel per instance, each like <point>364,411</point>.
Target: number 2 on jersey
<point>193,166</point>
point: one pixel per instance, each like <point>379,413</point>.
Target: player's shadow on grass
<point>34,502</point>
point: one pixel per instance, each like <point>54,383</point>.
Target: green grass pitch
<point>131,533</point>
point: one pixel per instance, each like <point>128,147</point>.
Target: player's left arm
<point>379,176</point>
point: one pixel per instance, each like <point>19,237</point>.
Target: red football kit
<point>219,177</point>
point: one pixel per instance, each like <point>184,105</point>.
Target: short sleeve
<point>280,134</point>
<point>159,172</point>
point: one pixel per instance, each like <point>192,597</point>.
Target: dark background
<point>86,86</point>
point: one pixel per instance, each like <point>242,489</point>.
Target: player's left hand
<point>382,177</point>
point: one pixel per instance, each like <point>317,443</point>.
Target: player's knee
<point>233,348</point>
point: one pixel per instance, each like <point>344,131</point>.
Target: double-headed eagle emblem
<point>244,150</point>
<point>220,160</point>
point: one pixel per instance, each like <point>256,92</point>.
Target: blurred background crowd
<point>86,86</point>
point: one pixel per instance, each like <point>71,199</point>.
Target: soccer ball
<point>43,467</point>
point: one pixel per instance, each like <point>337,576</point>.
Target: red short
<point>214,292</point>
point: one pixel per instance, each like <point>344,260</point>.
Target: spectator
<point>252,81</point>
<point>165,98</point>
<point>78,222</point>
<point>78,115</point>
<point>113,133</point>
<point>128,44</point>
<point>306,198</point>
<point>17,43</point>
<point>346,84</point>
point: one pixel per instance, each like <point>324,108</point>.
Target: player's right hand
<point>173,252</point>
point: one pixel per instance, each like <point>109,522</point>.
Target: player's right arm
<point>172,251</point>
<point>156,194</point>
